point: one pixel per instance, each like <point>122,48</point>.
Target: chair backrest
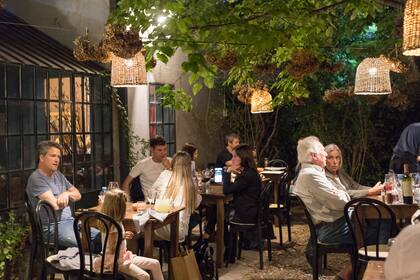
<point>264,203</point>
<point>31,215</point>
<point>278,163</point>
<point>358,211</point>
<point>82,228</point>
<point>312,229</point>
<point>283,192</point>
<point>47,228</point>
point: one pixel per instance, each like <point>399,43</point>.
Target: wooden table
<point>374,271</point>
<point>216,197</point>
<point>150,226</point>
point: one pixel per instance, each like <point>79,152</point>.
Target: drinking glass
<point>416,187</point>
<point>113,185</point>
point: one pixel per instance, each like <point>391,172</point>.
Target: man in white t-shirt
<point>149,168</point>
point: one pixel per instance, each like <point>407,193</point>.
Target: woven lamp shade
<point>128,72</point>
<point>372,77</point>
<point>261,102</point>
<point>411,38</point>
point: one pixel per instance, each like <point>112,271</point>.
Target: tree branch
<point>322,9</point>
<point>220,24</point>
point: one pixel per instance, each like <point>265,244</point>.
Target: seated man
<point>48,184</point>
<point>149,168</point>
<point>341,180</point>
<point>323,200</point>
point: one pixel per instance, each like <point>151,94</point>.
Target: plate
<point>274,168</point>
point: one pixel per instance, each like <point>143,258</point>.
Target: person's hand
<point>166,163</point>
<point>63,200</point>
<point>234,169</point>
<point>128,235</point>
<point>376,189</point>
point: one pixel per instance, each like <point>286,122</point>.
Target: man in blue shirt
<point>407,149</point>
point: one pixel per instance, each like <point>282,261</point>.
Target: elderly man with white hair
<point>323,200</point>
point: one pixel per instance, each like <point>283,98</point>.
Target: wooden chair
<point>281,208</point>
<point>263,222</point>
<point>86,250</point>
<point>321,249</point>
<point>34,239</point>
<point>46,228</point>
<point>375,225</point>
<point>278,163</point>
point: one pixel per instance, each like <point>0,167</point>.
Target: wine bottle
<point>407,186</point>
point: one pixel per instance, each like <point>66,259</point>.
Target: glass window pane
<point>78,89</point>
<point>3,151</point>
<point>171,149</point>
<point>99,175</point>
<point>172,116</point>
<point>14,153</point>
<point>67,147</point>
<point>107,118</point>
<point>28,82</point>
<point>98,147</point>
<point>3,190</point>
<point>55,138</point>
<point>152,113</point>
<point>166,115</point>
<point>88,89</point>
<point>29,152</point>
<point>107,94</point>
<point>13,117</point>
<point>3,118</point>
<point>159,130</point>
<point>83,178</point>
<point>65,87</point>
<point>12,81</point>
<point>152,131</point>
<point>97,117</point>
<point>41,83</point>
<point>97,96</point>
<point>108,172</point>
<point>2,79</point>
<point>172,136</point>
<point>68,171</point>
<point>166,132</point>
<point>54,117</point>
<point>41,138</point>
<point>107,147</point>
<point>54,85</point>
<point>158,113</point>
<point>79,118</point>
<point>28,116</point>
<point>18,190</point>
<point>88,118</point>
<point>66,117</point>
<point>41,117</point>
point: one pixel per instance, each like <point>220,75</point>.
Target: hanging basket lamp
<point>372,77</point>
<point>411,37</point>
<point>129,72</point>
<point>261,102</point>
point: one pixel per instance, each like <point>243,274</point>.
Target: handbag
<point>184,266</point>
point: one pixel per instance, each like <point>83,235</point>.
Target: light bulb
<point>372,71</point>
<point>128,62</point>
<point>161,19</point>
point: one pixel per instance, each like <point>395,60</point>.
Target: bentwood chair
<point>46,229</point>
<point>371,224</point>
<point>278,163</point>
<point>82,227</point>
<point>34,239</point>
<point>321,249</point>
<point>281,207</point>
<point>262,224</point>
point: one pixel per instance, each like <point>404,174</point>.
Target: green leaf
<point>196,88</point>
<point>193,78</point>
<point>209,81</point>
<point>162,57</point>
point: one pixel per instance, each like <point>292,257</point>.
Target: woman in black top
<point>247,186</point>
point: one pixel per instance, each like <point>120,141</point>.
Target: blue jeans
<point>335,232</point>
<point>67,238</point>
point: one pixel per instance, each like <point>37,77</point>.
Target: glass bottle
<point>407,186</point>
<point>266,162</point>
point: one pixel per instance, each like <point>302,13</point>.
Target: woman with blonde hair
<point>115,205</point>
<point>177,185</point>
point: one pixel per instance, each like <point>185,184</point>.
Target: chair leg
<point>239,247</point>
<point>232,241</point>
<point>289,227</point>
<point>280,230</point>
<point>325,260</point>
<point>315,265</point>
<point>269,249</point>
<point>31,261</point>
<point>160,257</point>
<point>260,248</point>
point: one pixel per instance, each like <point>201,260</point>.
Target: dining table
<point>374,271</point>
<point>150,226</point>
<point>214,196</point>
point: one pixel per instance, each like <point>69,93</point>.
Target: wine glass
<point>113,185</point>
<point>206,175</point>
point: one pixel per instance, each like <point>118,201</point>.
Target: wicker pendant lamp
<point>411,37</point>
<point>128,72</point>
<point>261,102</point>
<point>372,77</point>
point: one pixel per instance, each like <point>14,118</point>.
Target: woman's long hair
<point>115,204</point>
<point>181,181</point>
<point>244,152</point>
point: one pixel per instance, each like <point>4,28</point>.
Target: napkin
<point>141,219</point>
